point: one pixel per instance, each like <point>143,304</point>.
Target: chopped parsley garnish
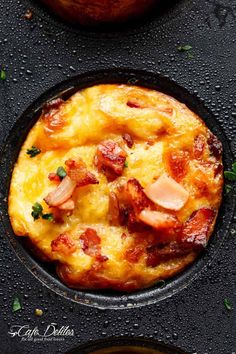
<point>16,305</point>
<point>228,188</point>
<point>231,175</point>
<point>33,151</point>
<point>126,164</point>
<point>61,172</point>
<point>3,75</point>
<point>184,48</point>
<point>48,217</point>
<point>227,304</point>
<point>38,212</point>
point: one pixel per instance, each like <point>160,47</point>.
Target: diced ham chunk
<point>62,193</point>
<point>110,159</point>
<point>167,193</point>
<point>79,173</point>
<point>63,244</point>
<point>158,220</point>
<point>196,229</point>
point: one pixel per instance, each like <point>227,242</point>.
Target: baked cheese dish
<point>119,185</point>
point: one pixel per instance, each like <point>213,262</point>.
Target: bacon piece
<point>51,115</point>
<point>167,193</point>
<point>54,177</point>
<point>218,168</point>
<point>67,205</point>
<point>133,104</point>
<point>128,139</point>
<point>79,173</point>
<point>130,200</point>
<point>100,258</point>
<point>158,220</point>
<point>167,226</point>
<point>202,187</point>
<point>167,110</point>
<point>134,254</point>
<point>63,244</point>
<point>178,162</point>
<point>91,244</point>
<point>110,159</point>
<point>57,215</point>
<point>62,193</point>
<point>52,105</point>
<point>158,254</point>
<point>113,211</point>
<point>215,146</point>
<point>198,147</point>
<point>135,196</point>
<point>195,231</point>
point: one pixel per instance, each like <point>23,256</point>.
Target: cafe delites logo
<point>52,332</point>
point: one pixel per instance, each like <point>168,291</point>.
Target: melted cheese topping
<point>159,125</point>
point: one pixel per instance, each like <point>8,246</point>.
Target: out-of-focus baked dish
<point>127,350</point>
<point>119,185</point>
<point>92,12</point>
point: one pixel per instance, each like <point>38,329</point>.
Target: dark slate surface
<point>40,53</point>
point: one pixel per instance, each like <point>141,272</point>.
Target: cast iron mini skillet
<point>46,273</point>
<point>126,346</point>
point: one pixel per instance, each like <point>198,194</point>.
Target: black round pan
<point>45,57</point>
<point>46,273</point>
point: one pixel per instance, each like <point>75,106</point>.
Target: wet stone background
<point>36,54</point>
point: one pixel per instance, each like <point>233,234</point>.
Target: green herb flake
<point>37,211</point>
<point>48,217</point>
<point>184,48</point>
<point>228,188</point>
<point>33,151</point>
<point>3,75</point>
<point>126,164</point>
<point>190,56</point>
<point>61,172</point>
<point>230,175</point>
<point>227,304</point>
<point>16,305</point>
<point>234,167</point>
